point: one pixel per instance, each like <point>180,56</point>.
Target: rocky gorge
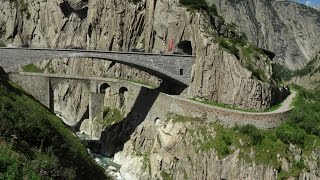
<point>123,25</point>
<point>226,71</point>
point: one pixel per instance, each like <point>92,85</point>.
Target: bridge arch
<point>103,88</point>
<point>123,91</point>
<point>174,68</point>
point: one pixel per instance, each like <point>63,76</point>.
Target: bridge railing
<point>98,51</point>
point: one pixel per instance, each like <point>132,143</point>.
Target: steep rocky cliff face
<point>183,149</point>
<point>218,74</point>
<point>309,76</point>
<point>289,29</point>
<point>71,101</point>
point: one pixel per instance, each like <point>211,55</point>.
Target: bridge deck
<point>172,67</point>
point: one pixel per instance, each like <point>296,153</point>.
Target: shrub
<point>200,5</point>
<point>280,72</point>
<point>291,134</point>
<point>255,134</point>
<point>306,114</point>
<point>111,116</point>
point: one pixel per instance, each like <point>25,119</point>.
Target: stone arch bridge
<point>175,68</point>
<point>87,97</point>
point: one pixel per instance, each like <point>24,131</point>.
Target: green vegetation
<point>32,68</point>
<point>200,5</point>
<point>231,40</point>
<point>281,73</point>
<point>134,1</point>
<point>165,175</point>
<point>306,114</point>
<point>34,144</point>
<point>110,116</point>
<point>23,7</point>
<point>247,52</point>
<point>146,163</point>
<point>310,68</point>
<point>301,129</point>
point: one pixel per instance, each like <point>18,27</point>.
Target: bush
<point>306,114</point>
<point>200,5</point>
<point>255,134</point>
<point>281,73</point>
<point>290,134</point>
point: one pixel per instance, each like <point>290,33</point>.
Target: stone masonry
<point>175,68</point>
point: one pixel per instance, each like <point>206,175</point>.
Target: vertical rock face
<point>218,75</point>
<point>309,76</point>
<point>178,150</point>
<point>289,29</point>
<point>71,100</point>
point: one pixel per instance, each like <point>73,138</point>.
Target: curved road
<point>285,106</point>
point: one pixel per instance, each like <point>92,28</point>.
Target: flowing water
<point>112,168</point>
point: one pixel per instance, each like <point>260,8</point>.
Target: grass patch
<point>32,68</point>
<point>35,144</point>
<point>111,116</point>
<point>146,163</point>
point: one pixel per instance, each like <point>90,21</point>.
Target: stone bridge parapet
<point>176,68</point>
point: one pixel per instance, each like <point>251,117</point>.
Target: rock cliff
<point>182,149</point>
<point>219,74</point>
<point>309,76</point>
<point>289,29</point>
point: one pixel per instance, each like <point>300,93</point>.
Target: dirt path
<point>284,107</point>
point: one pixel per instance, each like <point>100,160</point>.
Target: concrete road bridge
<point>175,68</point>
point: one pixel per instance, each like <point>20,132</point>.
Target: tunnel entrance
<point>185,47</point>
<point>103,88</point>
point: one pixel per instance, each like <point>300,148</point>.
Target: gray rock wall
<point>289,29</point>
